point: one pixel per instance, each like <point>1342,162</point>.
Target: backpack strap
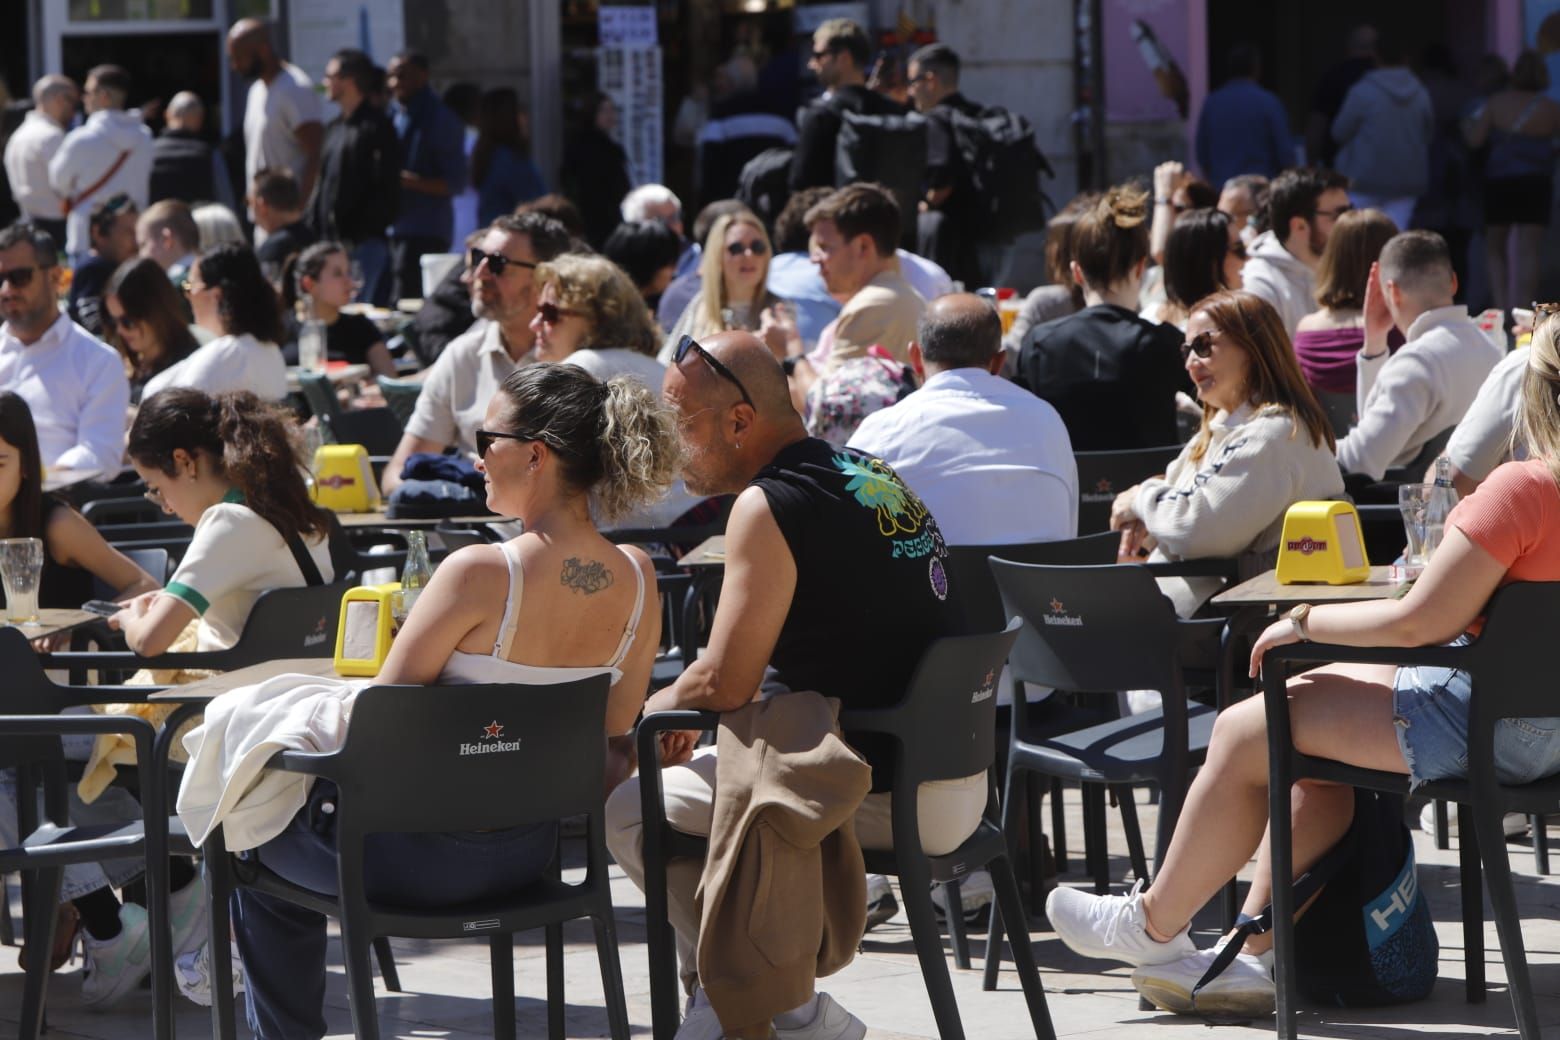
<point>1306,886</point>
<point>306,564</point>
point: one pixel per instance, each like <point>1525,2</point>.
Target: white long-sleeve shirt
<point>27,156</point>
<point>1407,399</point>
<point>225,365</point>
<point>90,151</point>
<point>1232,501</point>
<point>78,392</point>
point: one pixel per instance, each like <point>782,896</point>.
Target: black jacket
<point>818,125</point>
<point>359,189</point>
<point>181,169</point>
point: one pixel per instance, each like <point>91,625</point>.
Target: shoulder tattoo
<point>587,576</point>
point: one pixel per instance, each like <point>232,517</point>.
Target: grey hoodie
<point>1276,276</point>
<point>1383,133</point>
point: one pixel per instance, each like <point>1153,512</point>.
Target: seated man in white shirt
<point>1483,440</point>
<point>75,385</point>
<point>1409,398</point>
<point>992,461</point>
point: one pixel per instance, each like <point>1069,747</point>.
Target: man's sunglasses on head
<point>688,343</point>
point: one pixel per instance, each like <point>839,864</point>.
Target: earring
<point>739,445</point>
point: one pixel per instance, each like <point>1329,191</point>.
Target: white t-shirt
<point>272,117</point>
<point>227,364</point>
<point>620,361</point>
<point>234,556</point>
<point>1482,440</point>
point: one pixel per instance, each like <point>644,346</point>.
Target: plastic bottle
<point>1438,505</point>
<point>418,570</point>
<point>311,340</point>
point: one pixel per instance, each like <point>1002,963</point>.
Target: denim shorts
<point>1430,711</point>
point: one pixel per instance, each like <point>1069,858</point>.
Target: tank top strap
<point>632,627</point>
<point>506,627</point>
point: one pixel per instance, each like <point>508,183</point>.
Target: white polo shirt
<point>77,389</point>
<point>460,384</point>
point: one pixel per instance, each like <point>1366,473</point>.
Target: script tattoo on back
<point>588,576</point>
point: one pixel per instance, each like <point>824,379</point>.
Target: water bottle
<point>1438,505</point>
<point>418,570</point>
<point>311,341</point>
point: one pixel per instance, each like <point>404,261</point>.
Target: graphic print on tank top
<point>901,516</point>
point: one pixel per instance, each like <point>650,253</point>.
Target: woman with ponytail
<point>229,466</point>
<point>564,452</point>
<point>1111,374</point>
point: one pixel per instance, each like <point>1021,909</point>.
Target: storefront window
<point>142,10</point>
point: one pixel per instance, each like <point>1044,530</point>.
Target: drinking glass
<point>1414,503</point>
<point>21,565</point>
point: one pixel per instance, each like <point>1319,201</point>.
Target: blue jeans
<point>373,257</point>
<point>283,946</point>
<point>1430,712</point>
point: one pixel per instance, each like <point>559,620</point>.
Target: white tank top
<point>464,667</point>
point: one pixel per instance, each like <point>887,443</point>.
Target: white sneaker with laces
<point>1111,927</point>
<point>832,1022</point>
<point>114,967</point>
<point>699,1019</point>
<point>1244,989</point>
<point>1514,824</point>
<point>975,895</point>
<point>187,917</point>
<point>192,973</point>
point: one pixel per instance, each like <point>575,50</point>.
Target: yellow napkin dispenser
<point>344,479</point>
<point>1322,542</point>
<point>366,629</point>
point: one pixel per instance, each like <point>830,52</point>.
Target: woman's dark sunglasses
<point>485,439</point>
<point>1238,250</point>
<point>688,343</point>
<point>552,314</point>
<point>1200,344</point>
<point>498,263</point>
<point>754,248</point>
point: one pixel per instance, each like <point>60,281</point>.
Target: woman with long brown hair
<point>1264,443</point>
<point>144,318</point>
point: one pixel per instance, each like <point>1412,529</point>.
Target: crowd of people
<point>1293,329</point>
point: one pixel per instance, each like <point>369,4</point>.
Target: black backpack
<point>1368,940</point>
<point>888,149</point>
<point>998,149</point>
<point>764,184</point>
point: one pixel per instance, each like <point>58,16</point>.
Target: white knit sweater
<point>1232,502</point>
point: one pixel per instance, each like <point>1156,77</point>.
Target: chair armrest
<point>661,721</point>
<point>1331,653</point>
<point>871,720</point>
<point>314,763</point>
<point>70,725</point>
<point>1215,567</point>
<point>128,660</point>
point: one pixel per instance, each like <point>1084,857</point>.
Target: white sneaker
<point>881,904</point>
<point>1111,927</point>
<point>192,973</point>
<point>116,966</point>
<point>1513,823</point>
<point>699,1019</point>
<point>187,917</point>
<point>1244,989</point>
<point>975,896</point>
<point>832,1022</point>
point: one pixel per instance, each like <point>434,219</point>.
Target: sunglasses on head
<point>485,439</point>
<point>498,263</point>
<point>688,343</point>
<point>753,248</point>
<point>1544,310</point>
<point>19,277</point>
<point>1200,344</point>
<point>552,314</point>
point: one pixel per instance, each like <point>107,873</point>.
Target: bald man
<point>184,165</point>
<point>283,117</point>
<point>968,439</point>
<point>29,149</point>
<point>834,579</point>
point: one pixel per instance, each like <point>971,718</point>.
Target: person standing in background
<point>184,165</point>
<point>501,166</point>
<point>595,168</point>
<point>433,171</point>
<point>464,99</point>
<point>1243,127</point>
<point>283,117</point>
<point>30,148</point>
<point>1383,133</point>
<point>108,154</point>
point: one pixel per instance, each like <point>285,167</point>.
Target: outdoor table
<point>53,620</point>
<point>1265,591</point>
<point>339,375</point>
<point>318,667</point>
<point>709,553</point>
<point>378,518</point>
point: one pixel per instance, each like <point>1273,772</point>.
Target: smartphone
<point>102,607</point>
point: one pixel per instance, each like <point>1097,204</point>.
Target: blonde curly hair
<point>605,294</point>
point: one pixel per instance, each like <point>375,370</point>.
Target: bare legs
<point>1342,712</point>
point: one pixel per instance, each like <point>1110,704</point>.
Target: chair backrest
<point>948,718</point>
<point>400,396</point>
<point>465,758</point>
<point>1090,629</point>
<point>1509,662</point>
<point>460,537</point>
<point>138,510</point>
<point>975,590</point>
<point>153,561</point>
<point>140,532</point>
<point>321,396</point>
<point>26,691</point>
<point>296,622</point>
<point>377,429</point>
<point>1102,475</point>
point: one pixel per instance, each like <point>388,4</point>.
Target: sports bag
<point>1368,940</point>
<point>888,149</point>
<point>764,184</point>
<point>998,149</point>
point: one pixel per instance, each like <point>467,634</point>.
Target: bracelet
<point>1161,202</point>
<point>789,365</point>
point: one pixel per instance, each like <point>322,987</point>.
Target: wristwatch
<point>1297,618</point>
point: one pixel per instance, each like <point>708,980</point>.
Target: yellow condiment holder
<point>367,628</point>
<point>1322,542</point>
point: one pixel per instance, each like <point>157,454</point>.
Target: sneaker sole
<point>1167,996</point>
<point>881,911</point>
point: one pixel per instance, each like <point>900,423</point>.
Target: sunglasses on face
<point>552,314</point>
<point>1200,344</point>
<point>485,439</point>
<point>19,277</point>
<point>688,343</point>
<point>820,55</point>
<point>498,263</point>
<point>753,248</point>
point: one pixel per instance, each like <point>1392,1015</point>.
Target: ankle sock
<point>99,914</point>
<point>798,1016</point>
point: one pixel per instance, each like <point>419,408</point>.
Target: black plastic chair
<point>400,396</point>
<point>1102,475</point>
<point>945,728</point>
<point>133,510</point>
<point>1509,666</point>
<point>1102,630</point>
<point>376,429</point>
<point>398,772</point>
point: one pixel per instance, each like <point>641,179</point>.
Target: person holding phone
<point>733,293</point>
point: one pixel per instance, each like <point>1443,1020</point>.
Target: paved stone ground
<point>448,986</point>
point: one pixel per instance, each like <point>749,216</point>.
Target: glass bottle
<point>417,571</point>
<point>1438,505</point>
<point>311,339</point>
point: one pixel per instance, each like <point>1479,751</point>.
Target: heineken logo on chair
<point>491,741</point>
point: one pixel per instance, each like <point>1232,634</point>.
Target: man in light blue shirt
<point>991,461</point>
<point>1243,127</point>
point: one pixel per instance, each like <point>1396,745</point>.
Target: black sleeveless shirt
<point>871,580</point>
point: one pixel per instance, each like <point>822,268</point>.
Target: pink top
<point>1327,356</point>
